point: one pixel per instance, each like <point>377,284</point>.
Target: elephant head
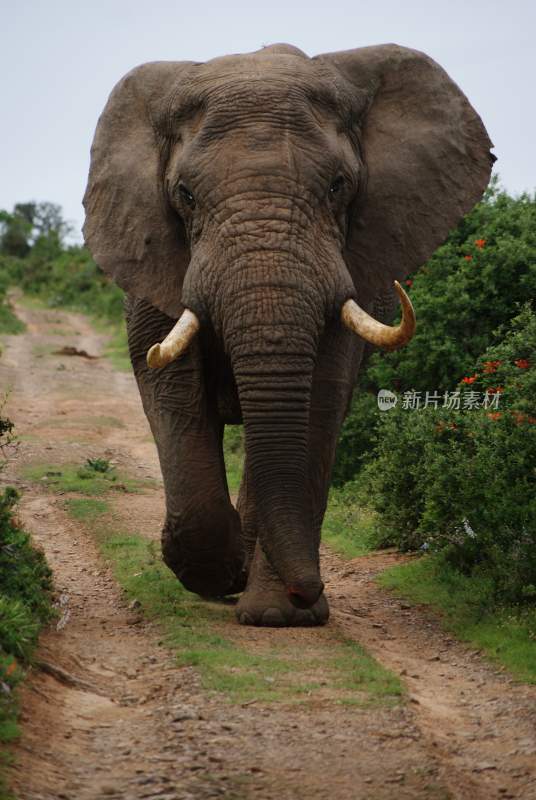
<point>265,196</point>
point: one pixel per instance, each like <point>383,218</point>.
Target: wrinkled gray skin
<point>261,191</point>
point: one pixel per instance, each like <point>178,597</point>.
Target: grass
<point>268,674</point>
<point>99,421</point>
<point>9,322</point>
<point>348,528</point>
<point>117,347</point>
<point>506,635</point>
<point>233,449</point>
<point>69,478</point>
<point>28,300</point>
<point>201,633</point>
<point>86,509</point>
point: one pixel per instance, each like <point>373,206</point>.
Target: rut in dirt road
<point>132,724</point>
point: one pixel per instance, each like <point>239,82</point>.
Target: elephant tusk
<point>176,342</point>
<point>390,338</point>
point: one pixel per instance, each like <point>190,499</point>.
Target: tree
<point>15,233</point>
<point>30,223</point>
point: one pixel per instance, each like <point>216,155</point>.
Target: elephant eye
<point>186,195</point>
<point>336,186</point>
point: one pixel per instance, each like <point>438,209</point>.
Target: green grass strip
<point>506,635</point>
<point>200,633</point>
<point>69,478</point>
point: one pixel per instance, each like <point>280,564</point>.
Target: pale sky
<point>59,60</point>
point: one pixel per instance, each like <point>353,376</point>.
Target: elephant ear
<point>131,230</point>
<point>427,155</point>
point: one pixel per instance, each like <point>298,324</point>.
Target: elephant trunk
<point>274,398</point>
<point>272,341</point>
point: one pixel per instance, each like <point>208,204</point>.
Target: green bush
<point>25,602</point>
<point>357,439</point>
<point>471,286</point>
<point>65,277</point>
<point>9,323</point>
<point>463,482</point>
<point>25,578</point>
<point>34,256</point>
<point>475,283</point>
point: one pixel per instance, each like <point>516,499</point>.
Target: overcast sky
<point>59,60</point>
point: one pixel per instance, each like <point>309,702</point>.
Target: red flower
<point>491,366</point>
<point>519,417</point>
<point>468,258</point>
<point>472,379</point>
<point>11,668</point>
<point>494,415</point>
<point>409,282</point>
<point>480,243</point>
<point>522,363</point>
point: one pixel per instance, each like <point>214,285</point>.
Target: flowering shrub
<point>473,284</point>
<point>460,303</point>
<point>463,482</point>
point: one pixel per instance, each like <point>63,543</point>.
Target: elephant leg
<point>201,538</point>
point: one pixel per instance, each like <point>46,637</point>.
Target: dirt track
<point>133,725</point>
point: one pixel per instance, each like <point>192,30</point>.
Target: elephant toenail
<point>245,619</point>
<point>273,618</point>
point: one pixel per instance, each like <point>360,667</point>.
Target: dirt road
<point>114,716</point>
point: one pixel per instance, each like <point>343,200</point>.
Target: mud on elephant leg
<point>266,601</point>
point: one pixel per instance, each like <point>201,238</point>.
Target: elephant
<point>259,211</point>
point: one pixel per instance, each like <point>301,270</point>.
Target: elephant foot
<point>208,562</point>
<point>266,601</point>
<point>273,609</point>
<point>212,579</point>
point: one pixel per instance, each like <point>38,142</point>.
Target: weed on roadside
<point>507,635</point>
